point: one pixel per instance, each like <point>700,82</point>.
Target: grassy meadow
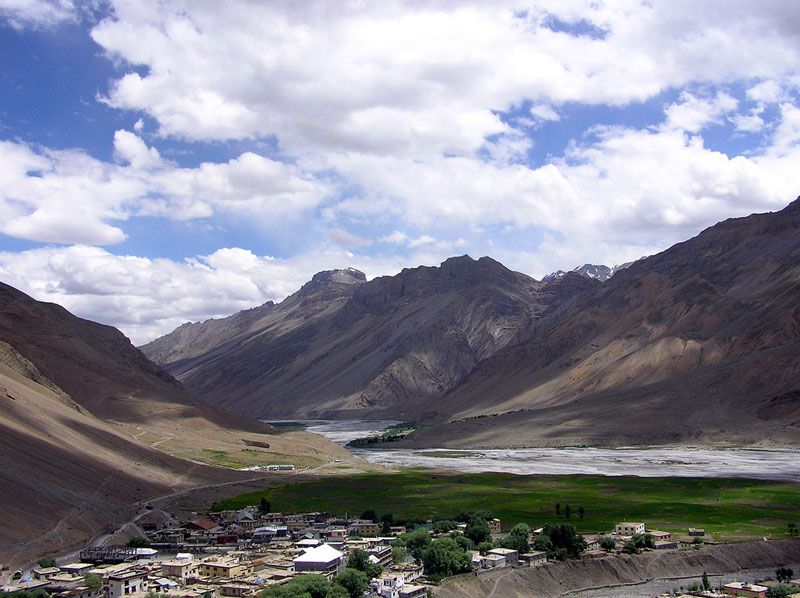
<point>730,509</point>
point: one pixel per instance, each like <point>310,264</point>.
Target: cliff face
<point>357,347</point>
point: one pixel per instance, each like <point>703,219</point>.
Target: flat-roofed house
<point>629,528</point>
<point>127,582</point>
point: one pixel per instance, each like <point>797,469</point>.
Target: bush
<point>138,542</point>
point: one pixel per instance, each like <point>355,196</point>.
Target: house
<point>80,592</point>
<point>412,591</point>
<point>45,572</point>
<point>697,531</point>
<point>269,533</point>
<point>742,588</point>
<point>531,559</point>
<point>179,569</point>
<point>366,528</point>
<point>511,556</point>
<point>202,524</point>
<point>494,561</point>
<point>228,568</point>
<point>76,568</point>
<point>628,528</point>
<point>659,535</point>
<point>324,558</point>
<point>494,526</point>
<point>127,582</point>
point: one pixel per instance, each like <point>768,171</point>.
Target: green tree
<point>264,506</point>
<point>354,581</point>
<point>478,530</point>
<point>359,560</point>
<point>784,574</point>
<point>485,547</point>
<point>706,583</point>
<point>416,542</point>
<point>567,511</point>
<point>792,528</point>
<point>370,515</point>
<point>387,521</point>
<point>337,591</point>
<point>46,563</point>
<point>698,541</point>
<point>399,554</point>
<point>302,586</point>
<point>607,544</point>
<point>90,580</point>
<point>543,542</point>
<point>563,535</point>
<point>518,538</point>
<point>464,542</point>
<point>444,557</point>
<point>580,512</point>
<point>780,591</point>
<point>138,542</point>
<point>558,509</point>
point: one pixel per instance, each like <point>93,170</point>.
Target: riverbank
<point>614,572</point>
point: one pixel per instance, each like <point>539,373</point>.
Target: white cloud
<point>36,13</point>
<point>68,197</point>
<point>405,77</point>
<point>692,114</point>
<point>545,112</point>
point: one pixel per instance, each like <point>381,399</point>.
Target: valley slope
<point>696,344</point>
<point>89,426</point>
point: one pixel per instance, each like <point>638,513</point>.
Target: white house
<point>322,558</point>
<point>628,528</point>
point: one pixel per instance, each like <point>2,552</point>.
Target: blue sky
<point>171,161</point>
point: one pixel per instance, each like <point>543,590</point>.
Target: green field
<point>730,509</point>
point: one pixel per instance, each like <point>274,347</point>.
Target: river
<point>769,464</point>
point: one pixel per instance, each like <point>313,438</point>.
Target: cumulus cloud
<point>67,196</point>
<point>405,77</point>
<point>146,298</point>
<point>693,114</point>
<point>37,13</point>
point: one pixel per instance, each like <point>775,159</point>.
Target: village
<point>240,553</point>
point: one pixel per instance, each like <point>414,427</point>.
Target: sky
<point>165,161</point>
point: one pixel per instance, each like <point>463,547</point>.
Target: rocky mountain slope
<point>700,343</point>
<point>341,346</point>
<point>597,272</point>
<point>88,426</point>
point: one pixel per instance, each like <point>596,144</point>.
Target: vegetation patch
<point>730,509</point>
<point>390,434</point>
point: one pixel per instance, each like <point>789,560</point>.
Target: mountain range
<point>696,344</point>
<point>89,426</point>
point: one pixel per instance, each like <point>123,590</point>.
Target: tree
<point>359,560</point>
<point>478,530</point>
<point>90,580</point>
<point>264,506</point>
<point>370,515</point>
<point>698,541</point>
<point>518,538</point>
<point>543,543</point>
<point>337,591</point>
<point>444,557</point>
<point>607,544</point>
<point>138,542</point>
<point>354,581</point>
<point>706,583</point>
<point>302,586</point>
<point>792,528</point>
<point>580,512</point>
<point>485,547</point>
<point>464,542</point>
<point>784,574</point>
<point>780,591</point>
<point>567,511</point>
<point>563,535</point>
<point>416,542</point>
<point>386,523</point>
<point>558,509</point>
<point>399,554</point>
<point>46,563</point>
